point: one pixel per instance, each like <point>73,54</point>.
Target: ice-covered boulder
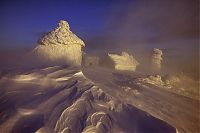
<point>59,47</point>
<point>124,61</point>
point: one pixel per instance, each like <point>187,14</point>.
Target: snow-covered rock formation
<point>156,59</point>
<point>178,83</point>
<point>153,79</point>
<point>60,46</point>
<point>124,61</point>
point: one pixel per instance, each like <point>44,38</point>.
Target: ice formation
<point>124,61</point>
<point>60,46</point>
<point>156,59</point>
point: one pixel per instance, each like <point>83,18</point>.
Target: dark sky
<point>23,21</point>
<point>103,24</point>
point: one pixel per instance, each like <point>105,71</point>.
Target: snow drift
<point>61,99</point>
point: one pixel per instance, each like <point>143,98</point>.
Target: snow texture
<point>59,47</point>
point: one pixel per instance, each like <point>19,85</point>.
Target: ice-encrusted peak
<point>63,25</point>
<point>58,47</point>
<point>61,35</point>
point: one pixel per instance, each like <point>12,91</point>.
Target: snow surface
<point>61,99</point>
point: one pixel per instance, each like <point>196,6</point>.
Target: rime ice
<point>156,59</point>
<point>60,46</point>
<point>124,61</point>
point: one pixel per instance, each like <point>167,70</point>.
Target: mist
<point>137,28</point>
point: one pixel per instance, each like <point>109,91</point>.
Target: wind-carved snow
<point>24,78</point>
<point>79,74</point>
<point>60,46</point>
<point>180,84</point>
<point>62,99</point>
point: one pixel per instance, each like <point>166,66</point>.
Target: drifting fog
<point>137,28</point>
<point>171,26</point>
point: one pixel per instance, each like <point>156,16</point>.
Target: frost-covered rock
<point>124,61</point>
<point>153,79</point>
<point>60,46</point>
<point>156,59</point>
<point>61,35</point>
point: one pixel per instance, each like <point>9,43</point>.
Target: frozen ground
<point>180,111</point>
<point>63,99</point>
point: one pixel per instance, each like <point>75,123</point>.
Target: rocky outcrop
<point>156,59</point>
<point>59,47</point>
<point>177,83</point>
<point>124,61</point>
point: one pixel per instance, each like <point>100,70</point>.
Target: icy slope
<point>148,94</point>
<point>61,99</point>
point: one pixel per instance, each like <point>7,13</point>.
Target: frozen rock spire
<point>59,47</point>
<point>156,59</point>
<point>61,35</point>
<point>63,24</point>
